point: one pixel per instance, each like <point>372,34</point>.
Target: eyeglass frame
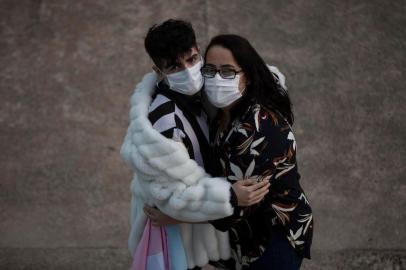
<point>218,71</point>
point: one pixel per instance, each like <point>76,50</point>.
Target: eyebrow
<point>222,66</point>
<point>172,64</point>
<point>228,66</point>
<point>192,56</point>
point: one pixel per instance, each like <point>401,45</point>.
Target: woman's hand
<point>158,218</point>
<point>250,192</point>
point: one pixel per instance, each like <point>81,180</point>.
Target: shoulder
<point>278,75</point>
<point>161,113</point>
<point>161,103</point>
<point>270,128</point>
<point>264,119</point>
<point>161,106</point>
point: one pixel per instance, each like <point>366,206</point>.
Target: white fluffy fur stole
<point>166,177</point>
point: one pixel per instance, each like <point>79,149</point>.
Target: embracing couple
<point>214,156</point>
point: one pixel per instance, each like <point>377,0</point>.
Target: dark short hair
<point>262,86</point>
<point>169,40</point>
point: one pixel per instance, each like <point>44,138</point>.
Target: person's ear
<point>156,69</point>
<point>200,52</point>
<point>245,79</point>
<point>158,72</point>
<point>244,82</point>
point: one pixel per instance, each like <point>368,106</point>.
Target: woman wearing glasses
<point>253,139</point>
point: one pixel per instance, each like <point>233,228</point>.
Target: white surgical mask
<point>222,92</point>
<point>188,81</point>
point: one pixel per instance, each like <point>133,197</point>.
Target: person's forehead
<point>192,51</point>
<point>167,63</point>
<point>220,56</point>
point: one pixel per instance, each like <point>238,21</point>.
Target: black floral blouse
<point>260,144</point>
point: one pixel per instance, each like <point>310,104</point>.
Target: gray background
<point>67,69</point>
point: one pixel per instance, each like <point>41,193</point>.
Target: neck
<point>230,107</point>
<point>187,97</point>
<point>226,111</point>
<point>190,98</point>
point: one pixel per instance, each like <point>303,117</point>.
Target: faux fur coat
<point>165,176</point>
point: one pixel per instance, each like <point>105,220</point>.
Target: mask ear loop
<point>162,74</point>
<point>200,53</point>
<point>201,59</point>
<point>242,92</point>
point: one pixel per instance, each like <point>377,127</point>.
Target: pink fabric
<point>152,250</point>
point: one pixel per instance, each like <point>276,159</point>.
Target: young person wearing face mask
<point>254,138</point>
<point>167,146</point>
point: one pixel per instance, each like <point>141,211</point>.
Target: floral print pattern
<point>261,145</point>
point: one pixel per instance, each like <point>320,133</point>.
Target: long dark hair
<point>262,86</point>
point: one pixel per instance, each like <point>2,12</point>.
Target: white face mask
<point>188,81</point>
<point>222,92</point>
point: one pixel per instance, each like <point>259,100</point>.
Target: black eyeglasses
<point>225,73</point>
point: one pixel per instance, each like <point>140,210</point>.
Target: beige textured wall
<point>67,71</point>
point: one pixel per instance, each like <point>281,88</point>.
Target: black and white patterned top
<point>259,143</point>
<point>181,118</point>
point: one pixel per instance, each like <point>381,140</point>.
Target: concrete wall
<point>67,69</point>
